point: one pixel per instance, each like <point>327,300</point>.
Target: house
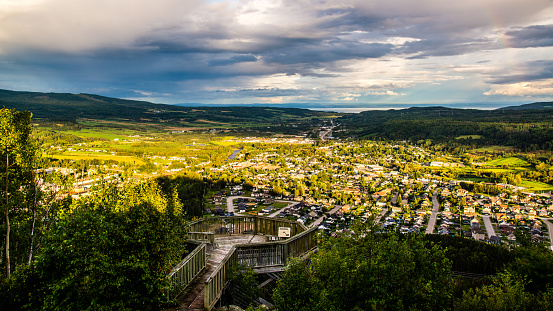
<point>469,210</point>
<point>478,234</point>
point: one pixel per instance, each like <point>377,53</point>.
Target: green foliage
<point>371,273</point>
<point>190,190</point>
<point>534,263</point>
<point>468,255</point>
<point>243,286</point>
<point>527,130</point>
<point>110,251</point>
<point>18,159</point>
<point>507,292</point>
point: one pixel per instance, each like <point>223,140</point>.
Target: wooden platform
<point>193,296</point>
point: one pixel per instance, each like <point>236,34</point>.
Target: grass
<point>510,161</point>
<point>223,143</point>
<point>469,136</point>
<point>493,149</point>
<point>99,156</point>
<point>505,170</point>
<point>100,134</point>
<point>535,185</point>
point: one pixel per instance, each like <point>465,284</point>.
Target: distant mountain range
<point>69,107</point>
<point>528,127</point>
<point>543,105</point>
<point>59,107</point>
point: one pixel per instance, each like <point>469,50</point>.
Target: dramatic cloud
<point>280,51</point>
<point>532,36</point>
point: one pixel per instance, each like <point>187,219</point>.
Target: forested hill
<point>526,129</point>
<point>543,105</point>
<point>67,107</point>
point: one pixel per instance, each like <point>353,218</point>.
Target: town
<point>336,185</point>
<point>332,184</point>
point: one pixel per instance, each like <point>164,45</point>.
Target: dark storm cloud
<point>533,71</point>
<point>259,48</point>
<point>232,60</point>
<point>326,52</point>
<point>532,36</point>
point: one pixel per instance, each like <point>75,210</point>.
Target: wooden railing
<point>216,282</point>
<point>207,237</point>
<point>245,225</point>
<point>183,273</point>
<point>256,255</point>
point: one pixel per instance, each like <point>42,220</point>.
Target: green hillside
<point>526,129</point>
<point>95,110</point>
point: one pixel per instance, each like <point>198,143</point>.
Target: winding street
<point>489,227</point>
<point>230,206</point>
<point>435,209</point>
<point>549,229</point>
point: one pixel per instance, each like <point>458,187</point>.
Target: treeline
<point>189,188</point>
<point>527,130</point>
<point>110,250</point>
<point>364,271</point>
<point>49,108</point>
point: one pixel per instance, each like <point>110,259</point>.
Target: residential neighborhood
<point>341,183</point>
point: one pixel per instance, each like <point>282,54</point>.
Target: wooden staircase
<point>193,296</point>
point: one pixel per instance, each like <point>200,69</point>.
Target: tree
<point>368,272</point>
<point>506,293</point>
<point>111,250</point>
<point>17,153</point>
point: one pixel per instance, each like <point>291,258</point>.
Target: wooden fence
<point>245,225</point>
<point>216,282</point>
<point>207,237</point>
<point>183,273</point>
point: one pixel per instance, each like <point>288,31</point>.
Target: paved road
<point>292,203</point>
<point>382,213</point>
<point>435,209</point>
<point>317,222</point>
<point>394,199</point>
<point>549,229</point>
<point>230,206</point>
<point>489,227</point>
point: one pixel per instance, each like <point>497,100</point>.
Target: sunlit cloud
<point>279,51</point>
<point>537,88</point>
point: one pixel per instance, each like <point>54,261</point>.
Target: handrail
<point>202,237</point>
<point>183,273</point>
<point>258,254</point>
<point>216,282</point>
<point>245,224</point>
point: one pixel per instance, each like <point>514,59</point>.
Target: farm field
<point>469,136</point>
<point>75,156</point>
<point>535,186</point>
<point>509,161</point>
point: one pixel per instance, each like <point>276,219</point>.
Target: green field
<point>223,143</point>
<point>504,170</point>
<point>107,134</point>
<point>510,161</point>
<point>493,149</point>
<point>536,186</point>
<point>469,136</point>
<point>91,156</point>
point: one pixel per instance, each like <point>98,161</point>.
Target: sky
<point>302,53</point>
